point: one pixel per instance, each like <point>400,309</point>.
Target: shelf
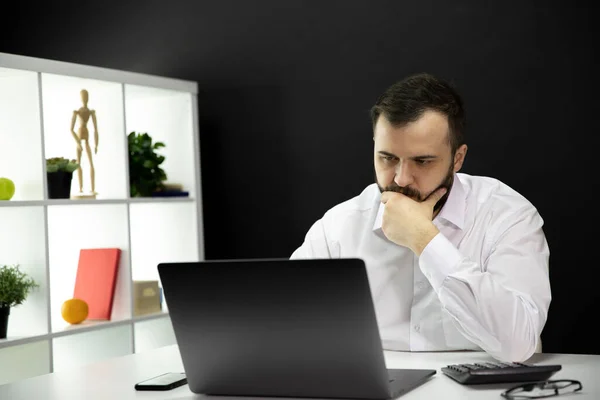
<point>12,341</point>
<point>22,242</point>
<point>86,226</point>
<point>153,333</point>
<point>72,351</point>
<point>69,202</point>
<point>20,133</point>
<point>166,115</point>
<point>24,360</point>
<point>161,232</point>
<point>160,200</point>
<point>60,97</point>
<point>35,64</point>
<point>147,317</point>
<point>44,236</point>
<point>86,326</point>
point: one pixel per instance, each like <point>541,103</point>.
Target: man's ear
<point>459,157</point>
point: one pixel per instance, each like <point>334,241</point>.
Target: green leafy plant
<point>15,285</point>
<point>145,174</point>
<point>55,164</point>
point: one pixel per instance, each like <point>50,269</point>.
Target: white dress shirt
<point>482,283</point>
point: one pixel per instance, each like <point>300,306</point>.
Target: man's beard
<point>418,196</point>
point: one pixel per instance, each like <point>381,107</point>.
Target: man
<point>455,261</point>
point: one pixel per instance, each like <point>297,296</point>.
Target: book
<point>96,280</point>
<point>170,193</point>
<point>173,186</point>
<point>146,298</point>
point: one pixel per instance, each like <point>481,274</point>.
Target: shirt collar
<point>453,211</point>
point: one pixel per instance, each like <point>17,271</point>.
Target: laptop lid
<point>276,327</point>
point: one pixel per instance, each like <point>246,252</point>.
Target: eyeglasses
<point>539,390</point>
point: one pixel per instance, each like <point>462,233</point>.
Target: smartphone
<point>167,381</point>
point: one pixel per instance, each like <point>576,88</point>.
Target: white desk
<point>115,378</point>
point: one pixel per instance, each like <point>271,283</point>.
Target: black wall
<point>285,92</point>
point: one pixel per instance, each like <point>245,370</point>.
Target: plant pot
<point>4,311</point>
<point>59,184</point>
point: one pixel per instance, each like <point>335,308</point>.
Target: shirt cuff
<point>438,260</point>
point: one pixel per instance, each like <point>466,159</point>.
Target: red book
<point>96,279</point>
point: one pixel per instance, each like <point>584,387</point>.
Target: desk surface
<point>115,378</point>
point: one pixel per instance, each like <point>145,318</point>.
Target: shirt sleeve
<point>501,304</point>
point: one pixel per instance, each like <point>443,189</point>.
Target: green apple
<point>7,189</point>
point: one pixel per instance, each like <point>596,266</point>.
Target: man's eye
<point>388,158</point>
<point>423,162</point>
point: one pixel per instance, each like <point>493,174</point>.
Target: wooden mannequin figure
<point>82,135</point>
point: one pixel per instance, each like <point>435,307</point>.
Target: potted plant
<point>15,285</point>
<point>145,174</point>
<point>59,172</point>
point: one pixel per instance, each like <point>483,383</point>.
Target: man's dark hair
<point>407,100</point>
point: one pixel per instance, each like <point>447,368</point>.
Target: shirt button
<point>421,285</point>
<point>417,328</point>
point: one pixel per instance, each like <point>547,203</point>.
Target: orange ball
<point>74,311</point>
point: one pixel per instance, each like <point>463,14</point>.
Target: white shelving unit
<point>44,236</point>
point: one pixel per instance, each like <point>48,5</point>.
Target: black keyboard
<point>499,372</point>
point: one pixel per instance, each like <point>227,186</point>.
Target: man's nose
<point>403,175</point>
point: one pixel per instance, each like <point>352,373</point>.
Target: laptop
<point>282,328</point>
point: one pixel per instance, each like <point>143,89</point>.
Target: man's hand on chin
<point>407,222</point>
